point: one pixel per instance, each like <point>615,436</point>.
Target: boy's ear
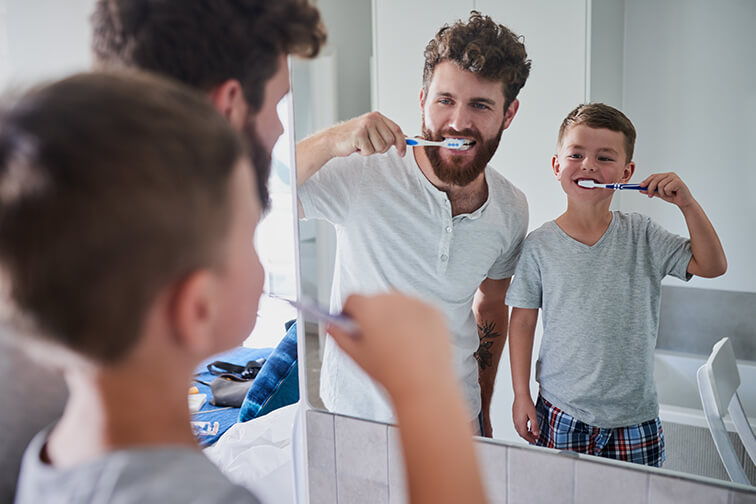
<point>510,113</point>
<point>555,166</point>
<point>228,99</point>
<point>628,171</point>
<point>194,312</point>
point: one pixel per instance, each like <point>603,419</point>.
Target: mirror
<point>682,73</point>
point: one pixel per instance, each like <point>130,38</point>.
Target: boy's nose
<point>587,165</point>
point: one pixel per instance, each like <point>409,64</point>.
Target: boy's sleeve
<point>526,290</point>
<point>670,253</point>
<point>329,192</point>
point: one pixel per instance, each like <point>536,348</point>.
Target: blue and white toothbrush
<point>449,143</point>
<point>590,184</point>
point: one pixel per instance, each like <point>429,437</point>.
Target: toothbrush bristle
<point>458,143</point>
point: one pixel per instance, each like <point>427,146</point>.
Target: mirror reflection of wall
<point>682,73</point>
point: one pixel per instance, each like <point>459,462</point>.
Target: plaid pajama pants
<point>641,444</point>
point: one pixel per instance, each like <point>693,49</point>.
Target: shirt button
<point>448,229</point>
<point>444,258</point>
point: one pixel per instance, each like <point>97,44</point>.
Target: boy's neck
<point>585,223</point>
<point>129,405</point>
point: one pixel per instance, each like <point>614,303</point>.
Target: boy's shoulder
<point>165,474</point>
<point>545,231</point>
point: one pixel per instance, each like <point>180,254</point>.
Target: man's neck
<point>120,407</point>
<point>463,199</point>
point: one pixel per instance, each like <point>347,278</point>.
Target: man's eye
<point>444,101</point>
<point>480,106</point>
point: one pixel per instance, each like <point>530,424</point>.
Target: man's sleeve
<point>329,192</point>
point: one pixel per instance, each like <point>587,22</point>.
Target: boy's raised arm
<point>708,259</point>
<point>522,326</point>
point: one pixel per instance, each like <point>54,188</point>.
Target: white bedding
<point>258,455</point>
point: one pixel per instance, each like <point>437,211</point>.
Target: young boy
<point>597,277</point>
<point>127,216</point>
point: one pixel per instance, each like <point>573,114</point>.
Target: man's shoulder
<point>504,190</point>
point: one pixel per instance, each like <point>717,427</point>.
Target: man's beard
<point>260,158</point>
<point>453,172</point>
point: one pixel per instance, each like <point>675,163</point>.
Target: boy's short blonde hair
<point>600,115</point>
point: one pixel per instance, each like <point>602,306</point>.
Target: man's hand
<point>367,134</point>
<point>524,413</point>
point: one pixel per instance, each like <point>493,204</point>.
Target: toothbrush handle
<point>636,187</point>
<point>618,187</point>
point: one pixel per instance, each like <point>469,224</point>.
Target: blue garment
<point>276,384</point>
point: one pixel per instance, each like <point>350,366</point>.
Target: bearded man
<point>438,223</point>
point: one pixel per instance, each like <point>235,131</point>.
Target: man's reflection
<point>438,223</point>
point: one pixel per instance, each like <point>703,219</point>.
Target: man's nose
<point>460,118</point>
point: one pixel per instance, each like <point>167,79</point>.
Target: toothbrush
<point>313,310</point>
<point>590,184</point>
<point>449,143</point>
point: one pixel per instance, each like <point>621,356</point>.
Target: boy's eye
<point>575,156</point>
<point>605,159</point>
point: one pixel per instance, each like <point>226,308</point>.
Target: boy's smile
<point>596,154</point>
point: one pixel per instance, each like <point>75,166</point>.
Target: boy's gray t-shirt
<point>166,475</point>
<point>600,315</point>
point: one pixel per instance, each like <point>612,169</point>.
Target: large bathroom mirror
<point>682,71</point>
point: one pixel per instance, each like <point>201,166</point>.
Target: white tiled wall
<point>360,462</point>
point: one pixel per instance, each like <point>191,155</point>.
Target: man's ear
<point>510,113</point>
<point>422,98</point>
<point>194,312</point>
<point>555,166</point>
<point>228,99</point>
<point>627,173</point>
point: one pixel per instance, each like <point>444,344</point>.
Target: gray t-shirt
<point>395,230</point>
<point>31,397</point>
<point>165,475</point>
<point>600,315</point>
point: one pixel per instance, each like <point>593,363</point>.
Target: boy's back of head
<point>600,115</point>
<point>102,207</point>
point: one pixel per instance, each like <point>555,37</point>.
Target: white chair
<point>718,382</point>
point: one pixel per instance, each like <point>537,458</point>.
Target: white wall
<point>689,74</point>
<point>43,39</point>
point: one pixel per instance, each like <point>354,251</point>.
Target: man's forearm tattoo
<point>486,333</point>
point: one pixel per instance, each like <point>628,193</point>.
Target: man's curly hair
<point>483,47</point>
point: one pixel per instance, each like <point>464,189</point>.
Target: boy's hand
<point>523,411</point>
<point>669,187</point>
